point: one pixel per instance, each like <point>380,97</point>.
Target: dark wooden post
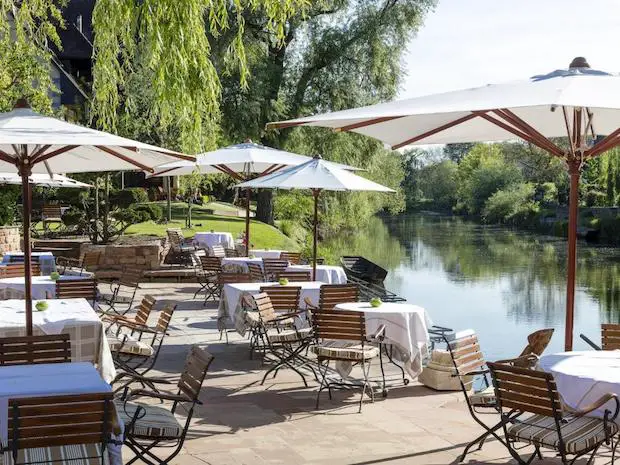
<point>315,194</point>
<point>574,169</point>
<point>25,170</point>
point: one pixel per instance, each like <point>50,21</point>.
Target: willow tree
<point>168,41</point>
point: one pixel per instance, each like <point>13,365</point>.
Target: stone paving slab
<point>244,423</point>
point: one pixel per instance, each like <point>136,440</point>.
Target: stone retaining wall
<point>9,239</point>
<point>119,256</point>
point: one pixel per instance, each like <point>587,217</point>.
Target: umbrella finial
<point>21,102</point>
<point>579,62</point>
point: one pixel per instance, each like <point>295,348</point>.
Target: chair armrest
<point>112,318</point>
<point>310,304</point>
<point>379,334</point>
<point>284,316</point>
<point>136,327</point>
<point>595,405</point>
<point>589,342</point>
<point>159,395</point>
<point>137,377</point>
<point>531,358</point>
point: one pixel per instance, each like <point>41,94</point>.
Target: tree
<point>456,152</point>
<point>439,184</point>
<point>337,54</point>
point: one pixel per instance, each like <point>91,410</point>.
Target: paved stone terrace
<point>244,423</point>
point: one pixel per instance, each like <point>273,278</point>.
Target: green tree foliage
<point>456,152</point>
<point>439,184</point>
<point>513,205</point>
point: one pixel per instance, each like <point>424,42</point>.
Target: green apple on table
<point>283,281</point>
<point>54,276</point>
<point>375,302</point>
<point>41,306</point>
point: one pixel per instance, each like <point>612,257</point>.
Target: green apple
<point>375,302</point>
<point>54,275</point>
<point>40,306</point>
<point>283,281</point>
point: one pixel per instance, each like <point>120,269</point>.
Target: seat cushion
<point>154,422</point>
<point>289,335</point>
<point>486,397</point>
<point>64,455</point>
<point>129,345</point>
<point>579,434</point>
<point>345,350</point>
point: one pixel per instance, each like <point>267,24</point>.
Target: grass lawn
<point>262,236</point>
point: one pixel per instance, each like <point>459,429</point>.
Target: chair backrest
<point>32,350</point>
<point>218,250</point>
<point>256,272</point>
<point>211,264</point>
<point>175,236</point>
<point>334,294</point>
<point>91,259</point>
<point>341,324</point>
<point>76,288</point>
<point>17,270</point>
<point>466,357</point>
<point>20,259</point>
<point>194,373</point>
<point>131,277</point>
<point>53,421</point>
<point>231,252</point>
<point>164,318</point>
<point>537,342</point>
<point>144,309</point>
<point>292,257</point>
<point>226,277</point>
<point>51,212</point>
<point>273,266</point>
<point>298,276</point>
<point>610,336</point>
<point>283,298</point>
<point>264,307</point>
<point>525,390</point>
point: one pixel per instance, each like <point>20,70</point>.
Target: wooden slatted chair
<point>294,276</point>
<point>17,270</point>
<point>533,413</point>
<point>278,335</point>
<point>341,336</point>
<point>77,288</point>
<point>231,252</point>
<point>256,273</point>
<point>20,259</point>
<point>51,214</point>
<point>123,291</point>
<point>226,277</point>
<point>284,298</point>
<point>207,276</point>
<point>610,337</point>
<point>88,261</point>
<point>31,350</point>
<point>294,258</point>
<point>273,266</point>
<point>217,250</point>
<point>537,342</point>
<point>143,311</point>
<point>333,294</point>
<point>64,429</point>
<point>182,248</point>
<point>156,425</point>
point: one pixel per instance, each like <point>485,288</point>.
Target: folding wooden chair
<point>51,214</point>
<point>155,425</point>
<point>181,248</point>
<point>610,337</point>
<point>31,350</point>
<point>273,266</point>
<point>256,273</point>
<point>207,276</point>
<point>331,295</point>
<point>88,261</point>
<point>143,311</point>
<point>77,288</point>
<point>294,276</point>
<point>284,298</point>
<point>533,413</point>
<point>121,299</point>
<point>17,270</point>
<point>231,252</point>
<point>217,250</point>
<point>293,258</point>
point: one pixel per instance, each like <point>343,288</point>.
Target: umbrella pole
<point>25,171</point>
<point>315,193</point>
<point>571,265</point>
<point>168,200</point>
<point>247,222</point>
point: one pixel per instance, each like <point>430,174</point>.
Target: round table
<point>43,287</point>
<point>209,239</point>
<point>406,328</point>
<point>327,274</point>
<point>582,377</point>
<point>262,253</point>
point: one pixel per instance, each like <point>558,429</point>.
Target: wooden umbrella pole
<point>25,171</point>
<point>247,222</point>
<point>571,264</point>
<point>315,193</point>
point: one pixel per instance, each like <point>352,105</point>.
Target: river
<point>502,283</point>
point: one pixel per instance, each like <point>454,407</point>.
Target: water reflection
<point>502,283</point>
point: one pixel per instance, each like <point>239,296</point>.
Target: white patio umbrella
<point>241,162</point>
<point>316,175</point>
<point>34,143</point>
<point>578,103</point>
<point>45,180</point>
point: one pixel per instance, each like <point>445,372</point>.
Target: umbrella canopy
<point>316,175</point>
<point>44,180</point>
<point>578,103</point>
<point>34,143</point>
<point>241,161</point>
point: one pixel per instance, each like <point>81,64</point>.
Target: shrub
<point>610,229</point>
<point>548,193</point>
<point>73,217</point>
<point>126,197</point>
<point>131,215</point>
<point>8,204</point>
<point>154,211</point>
<point>513,205</point>
<point>295,206</point>
<point>595,198</point>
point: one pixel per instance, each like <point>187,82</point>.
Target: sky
<point>470,43</point>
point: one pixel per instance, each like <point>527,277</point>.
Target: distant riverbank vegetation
<point>514,184</point>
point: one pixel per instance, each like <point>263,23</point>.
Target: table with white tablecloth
<point>209,239</point>
<point>406,329</point>
<point>74,317</point>
<point>47,261</point>
<point>231,305</point>
<point>584,377</point>
<point>43,287</point>
<point>262,253</point>
<point>51,379</point>
<point>239,264</point>
<point>327,274</point>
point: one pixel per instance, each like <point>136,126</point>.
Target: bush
<point>610,229</point>
<point>595,198</point>
<point>8,204</point>
<point>154,211</point>
<point>126,197</point>
<point>73,217</point>
<point>294,206</point>
<point>547,193</point>
<point>513,205</point>
<point>131,216</point>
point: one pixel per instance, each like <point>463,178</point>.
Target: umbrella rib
<point>46,156</point>
<point>568,131</point>
<point>607,143</point>
<point>525,127</point>
<point>159,173</point>
<point>443,127</point>
<point>40,151</point>
<point>7,158</point>
<point>273,168</point>
<point>225,169</point>
<point>114,153</point>
<point>284,125</point>
<point>369,122</point>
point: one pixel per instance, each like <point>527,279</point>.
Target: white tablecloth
<point>209,239</point>
<point>231,309</point>
<point>239,264</point>
<point>583,377</point>
<point>43,287</point>
<point>50,379</point>
<point>262,253</point>
<point>328,274</point>
<point>71,316</point>
<point>47,261</point>
<point>406,328</point>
